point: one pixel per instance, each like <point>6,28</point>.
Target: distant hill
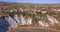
<point>29,4</point>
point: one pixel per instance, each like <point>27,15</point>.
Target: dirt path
<point>36,28</point>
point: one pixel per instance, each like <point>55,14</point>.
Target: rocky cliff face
<point>16,20</point>
<point>13,21</point>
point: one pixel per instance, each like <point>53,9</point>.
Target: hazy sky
<point>33,1</point>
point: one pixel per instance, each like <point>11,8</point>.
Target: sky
<point>32,1</point>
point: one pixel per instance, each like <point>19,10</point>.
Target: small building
<point>11,10</point>
<point>43,12</point>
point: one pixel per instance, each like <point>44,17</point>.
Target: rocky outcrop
<point>52,20</point>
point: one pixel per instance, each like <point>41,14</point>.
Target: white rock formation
<point>23,20</point>
<point>52,20</point>
<point>43,24</point>
<point>16,18</point>
<point>29,21</point>
<point>13,24</point>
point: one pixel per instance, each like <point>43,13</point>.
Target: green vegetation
<point>41,15</point>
